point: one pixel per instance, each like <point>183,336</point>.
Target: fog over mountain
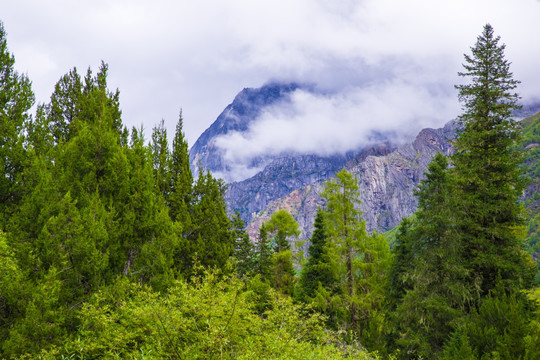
<point>334,123</point>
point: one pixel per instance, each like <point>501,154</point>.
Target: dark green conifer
<point>16,99</point>
<point>181,179</point>
<point>263,255</point>
<point>243,247</point>
<point>318,271</point>
<point>489,179</point>
<point>161,158</point>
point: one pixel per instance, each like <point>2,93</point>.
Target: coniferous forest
<point>111,248</point>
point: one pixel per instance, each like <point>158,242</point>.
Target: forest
<point>110,248</point>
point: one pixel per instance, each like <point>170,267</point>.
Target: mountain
<point>246,107</point>
<point>386,181</point>
<point>387,174</point>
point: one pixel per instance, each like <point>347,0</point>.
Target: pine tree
<point>263,255</point>
<point>438,293</point>
<point>318,271</point>
<point>16,99</point>
<point>243,247</point>
<point>489,180</point>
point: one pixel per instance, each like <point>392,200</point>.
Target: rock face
<point>386,183</point>
<point>286,174</point>
<point>237,116</point>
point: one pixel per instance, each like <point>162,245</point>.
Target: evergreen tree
<point>438,293</point>
<point>16,99</point>
<point>398,282</point>
<point>489,180</point>
<point>161,158</point>
<point>65,105</point>
<point>243,247</point>
<point>181,179</point>
<point>211,239</point>
<point>318,271</point>
<point>283,226</point>
<point>263,255</point>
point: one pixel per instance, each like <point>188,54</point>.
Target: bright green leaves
<point>210,318</point>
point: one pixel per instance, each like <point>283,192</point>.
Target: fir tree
<point>243,247</point>
<point>263,254</point>
<point>318,271</point>
<point>438,295</point>
<point>489,180</point>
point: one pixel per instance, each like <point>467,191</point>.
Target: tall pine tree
<point>489,180</point>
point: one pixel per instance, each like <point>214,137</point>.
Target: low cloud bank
<point>334,123</point>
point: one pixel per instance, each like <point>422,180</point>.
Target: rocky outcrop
<point>288,173</point>
<point>386,183</point>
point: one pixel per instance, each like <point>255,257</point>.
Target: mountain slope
<point>246,107</point>
<point>386,182</point>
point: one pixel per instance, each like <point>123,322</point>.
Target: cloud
<point>337,122</point>
<point>197,55</point>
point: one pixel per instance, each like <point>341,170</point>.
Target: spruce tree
<point>318,271</point>
<point>438,293</point>
<point>263,255</point>
<point>243,247</point>
<point>489,179</point>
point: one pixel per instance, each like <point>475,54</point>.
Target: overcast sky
<point>400,56</point>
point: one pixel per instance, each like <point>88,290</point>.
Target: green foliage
<point>488,177</point>
<point>208,319</point>
<point>283,226</point>
<point>436,290</point>
<point>211,240</point>
<point>263,255</point>
<point>180,193</point>
<point>318,271</point>
<point>346,229</point>
<point>361,262</point>
<point>244,251</point>
<point>16,99</point>
<point>161,160</point>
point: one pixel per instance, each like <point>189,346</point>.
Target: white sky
<point>198,54</point>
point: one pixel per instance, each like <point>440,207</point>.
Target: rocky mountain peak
<point>246,107</point>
